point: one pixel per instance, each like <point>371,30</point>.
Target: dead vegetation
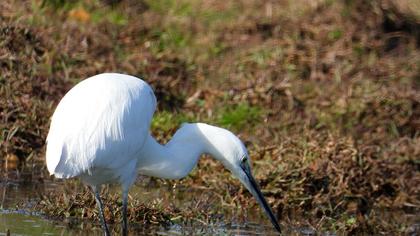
<point>82,206</point>
<point>326,94</point>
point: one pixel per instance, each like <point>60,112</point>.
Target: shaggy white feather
<point>100,132</point>
<point>101,123</point>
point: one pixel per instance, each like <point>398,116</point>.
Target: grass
<point>325,95</point>
<point>239,116</point>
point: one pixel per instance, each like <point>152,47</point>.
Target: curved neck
<point>175,159</point>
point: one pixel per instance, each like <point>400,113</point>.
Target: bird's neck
<point>178,157</point>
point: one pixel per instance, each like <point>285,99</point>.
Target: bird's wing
<point>102,122</point>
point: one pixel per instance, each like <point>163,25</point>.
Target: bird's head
<point>229,149</point>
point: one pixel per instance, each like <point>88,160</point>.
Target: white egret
<point>100,133</point>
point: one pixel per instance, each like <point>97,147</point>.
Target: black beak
<point>260,198</point>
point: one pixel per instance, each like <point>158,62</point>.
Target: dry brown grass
<point>330,91</point>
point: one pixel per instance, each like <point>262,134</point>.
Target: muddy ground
<point>325,94</point>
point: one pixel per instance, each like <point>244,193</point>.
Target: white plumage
<point>101,123</point>
<point>100,133</point>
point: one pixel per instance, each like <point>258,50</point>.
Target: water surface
<point>229,222</point>
<point>21,222</point>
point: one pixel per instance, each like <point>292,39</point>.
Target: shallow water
<point>20,222</point>
<point>229,222</point>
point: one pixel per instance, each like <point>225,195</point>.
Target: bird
<point>100,133</point>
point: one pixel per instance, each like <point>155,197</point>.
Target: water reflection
<point>20,222</point>
<point>229,222</point>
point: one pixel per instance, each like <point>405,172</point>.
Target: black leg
<point>124,212</point>
<point>101,211</point>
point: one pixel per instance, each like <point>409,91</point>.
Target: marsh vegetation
<point>324,93</point>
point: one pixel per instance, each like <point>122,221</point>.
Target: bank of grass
<point>325,94</point>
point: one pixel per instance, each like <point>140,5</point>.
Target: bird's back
<point>100,123</point>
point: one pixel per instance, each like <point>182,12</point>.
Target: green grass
<point>330,110</point>
<point>165,121</point>
<point>115,17</point>
<point>239,116</point>
<point>171,40</point>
